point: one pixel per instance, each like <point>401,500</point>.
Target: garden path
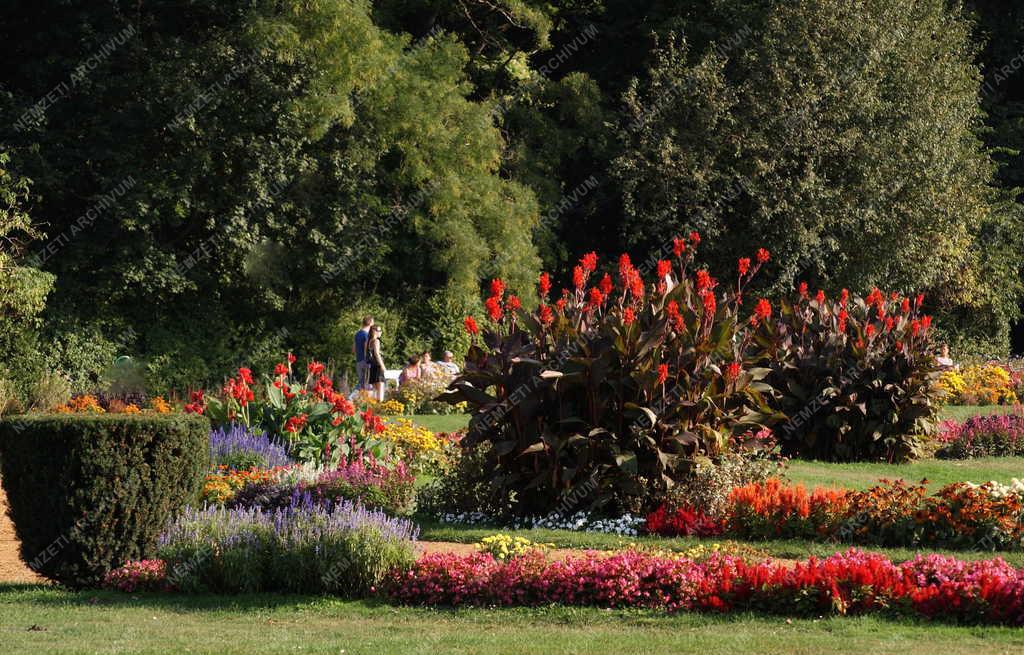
<point>12,569</point>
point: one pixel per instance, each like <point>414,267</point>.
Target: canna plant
<point>319,424</point>
<point>606,397</point>
<point>855,376</point>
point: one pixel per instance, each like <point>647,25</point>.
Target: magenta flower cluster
<point>854,582</point>
<point>141,575</point>
<point>984,436</point>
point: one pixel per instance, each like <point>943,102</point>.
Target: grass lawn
<point>45,620</point>
<point>961,412</point>
<point>937,471</point>
<point>441,422</point>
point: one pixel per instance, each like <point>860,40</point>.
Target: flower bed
<point>984,436</point>
<point>959,515</point>
<point>854,582</point>
<point>303,548</point>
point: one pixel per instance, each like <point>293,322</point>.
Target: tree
<point>222,178</point>
<point>843,137</point>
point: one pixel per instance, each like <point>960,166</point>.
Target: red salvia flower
<point>471,326</point>
<point>743,265</point>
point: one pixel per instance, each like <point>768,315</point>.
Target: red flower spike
<point>589,262</point>
<point>678,246</point>
<point>578,277</point>
<point>471,326</point>
<point>743,265</point>
<point>497,287</point>
<point>664,268</point>
<point>628,316</point>
<point>662,373</point>
<point>762,256</point>
<point>606,285</point>
<point>544,285</point>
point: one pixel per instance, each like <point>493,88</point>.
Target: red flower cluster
<point>682,522</point>
<point>853,582</point>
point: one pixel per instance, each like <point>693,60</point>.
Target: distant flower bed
<point>983,436</point>
<point>854,582</point>
<point>982,384</point>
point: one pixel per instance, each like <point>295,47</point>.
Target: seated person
<point>411,371</point>
<point>448,364</point>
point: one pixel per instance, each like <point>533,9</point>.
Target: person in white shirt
<point>448,364</point>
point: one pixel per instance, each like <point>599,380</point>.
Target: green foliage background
<point>221,181</point>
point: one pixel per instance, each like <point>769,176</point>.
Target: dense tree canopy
<point>218,180</point>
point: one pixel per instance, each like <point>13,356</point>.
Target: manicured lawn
<point>41,620</point>
<point>937,471</point>
<point>441,422</point>
<point>960,412</point>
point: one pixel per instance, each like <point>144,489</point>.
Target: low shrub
<point>855,376</point>
<point>49,391</point>
<point>345,550</point>
<point>854,582</point>
<point>983,436</point>
<point>420,395</point>
<point>504,547</point>
<point>9,401</point>
<point>464,488</point>
<point>707,489</point>
<point>239,449</point>
<point>90,492</point>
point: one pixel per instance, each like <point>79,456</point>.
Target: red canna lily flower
<point>664,268</point>
<point>628,316</point>
<point>762,310</point>
<point>662,373</point>
<point>732,371</point>
<point>606,285</point>
<point>678,246</point>
<point>493,307</point>
<point>578,277</point>
<point>512,303</point>
<point>819,297</point>
<point>497,287</point>
<point>544,285</point>
<point>762,256</point>
<point>281,369</point>
<point>471,326</point>
<point>695,238</point>
<point>545,315</point>
<point>589,262</point>
<point>743,265</point>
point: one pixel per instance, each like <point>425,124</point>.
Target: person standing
<point>375,360</point>
<point>359,348</point>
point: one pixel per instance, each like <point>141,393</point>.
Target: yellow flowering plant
<point>504,547</point>
<point>412,441</point>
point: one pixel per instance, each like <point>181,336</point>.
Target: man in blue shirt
<point>362,363</point>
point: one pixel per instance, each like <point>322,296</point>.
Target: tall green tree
<point>223,178</point>
<point>844,137</point>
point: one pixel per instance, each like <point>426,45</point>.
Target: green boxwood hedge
<point>88,492</point>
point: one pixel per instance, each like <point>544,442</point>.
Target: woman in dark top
<point>376,360</point>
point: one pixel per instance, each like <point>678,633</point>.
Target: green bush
<point>49,391</point>
<point>8,396</point>
<point>89,492</point>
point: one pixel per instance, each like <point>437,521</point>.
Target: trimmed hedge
<point>89,492</point>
